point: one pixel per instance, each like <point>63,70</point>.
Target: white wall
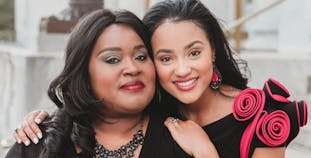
<point>27,19</point>
<point>24,84</point>
<point>138,7</point>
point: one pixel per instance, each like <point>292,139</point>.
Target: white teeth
<point>187,83</point>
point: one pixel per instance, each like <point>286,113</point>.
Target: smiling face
<point>121,72</point>
<point>183,59</point>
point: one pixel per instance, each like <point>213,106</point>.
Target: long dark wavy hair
<point>71,90</point>
<point>196,12</point>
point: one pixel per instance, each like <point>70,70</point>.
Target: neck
<point>123,127</point>
<point>114,132</point>
<point>210,107</point>
<point>203,105</point>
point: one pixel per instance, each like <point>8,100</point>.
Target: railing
<point>236,25</point>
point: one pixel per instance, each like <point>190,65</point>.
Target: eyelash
<point>165,59</point>
<point>141,57</point>
<point>115,60</point>
<point>194,53</point>
<point>112,60</point>
<point>191,54</point>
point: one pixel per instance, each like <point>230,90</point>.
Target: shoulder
<point>15,151</point>
<point>21,151</point>
<point>229,91</point>
<point>274,119</point>
<point>31,151</point>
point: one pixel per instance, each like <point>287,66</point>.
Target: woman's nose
<point>132,68</point>
<point>182,69</point>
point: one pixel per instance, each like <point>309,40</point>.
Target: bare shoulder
<point>226,98</point>
<point>229,91</point>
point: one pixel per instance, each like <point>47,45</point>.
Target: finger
<point>32,114</point>
<point>42,115</point>
<point>16,137</point>
<point>34,128</point>
<point>22,136</point>
<point>171,123</point>
<point>29,132</point>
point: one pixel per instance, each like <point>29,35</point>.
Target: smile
<point>186,85</point>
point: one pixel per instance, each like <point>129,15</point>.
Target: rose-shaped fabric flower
<point>248,103</point>
<point>273,129</point>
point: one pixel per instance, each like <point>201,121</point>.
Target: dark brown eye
<point>112,60</point>
<point>165,59</point>
<point>141,57</point>
<point>195,53</point>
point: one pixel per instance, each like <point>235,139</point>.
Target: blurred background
<point>273,36</point>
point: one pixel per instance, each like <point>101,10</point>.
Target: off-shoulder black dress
<point>260,118</point>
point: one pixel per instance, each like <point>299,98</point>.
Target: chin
<point>186,100</point>
<point>137,107</point>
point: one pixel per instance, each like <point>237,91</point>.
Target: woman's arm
<point>191,138</point>
<point>269,152</point>
<point>29,128</point>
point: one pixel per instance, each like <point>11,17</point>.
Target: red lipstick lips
<point>133,86</point>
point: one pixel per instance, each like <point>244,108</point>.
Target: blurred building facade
<point>276,43</point>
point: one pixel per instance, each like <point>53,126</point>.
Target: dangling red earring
<point>216,78</point>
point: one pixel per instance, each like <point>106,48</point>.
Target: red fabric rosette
<point>276,124</point>
<point>273,129</point>
<point>247,105</point>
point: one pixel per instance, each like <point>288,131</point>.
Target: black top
<point>226,134</point>
<point>158,144</point>
<point>236,135</point>
<point>273,110</point>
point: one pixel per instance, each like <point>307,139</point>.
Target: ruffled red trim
<point>274,128</point>
<point>276,91</point>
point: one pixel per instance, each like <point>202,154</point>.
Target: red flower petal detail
<point>248,103</point>
<point>273,129</point>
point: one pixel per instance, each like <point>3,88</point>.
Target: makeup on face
<point>121,72</point>
<point>183,59</point>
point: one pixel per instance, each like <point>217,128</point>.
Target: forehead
<point>181,32</point>
<point>118,35</point>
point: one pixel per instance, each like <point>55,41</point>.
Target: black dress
<point>260,118</point>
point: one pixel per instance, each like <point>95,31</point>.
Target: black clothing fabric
<point>158,144</point>
<point>226,133</point>
<point>285,115</point>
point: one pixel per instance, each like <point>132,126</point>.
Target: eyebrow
<point>163,51</point>
<point>186,47</point>
<point>139,47</point>
<point>192,43</point>
<point>109,49</point>
<point>115,49</point>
